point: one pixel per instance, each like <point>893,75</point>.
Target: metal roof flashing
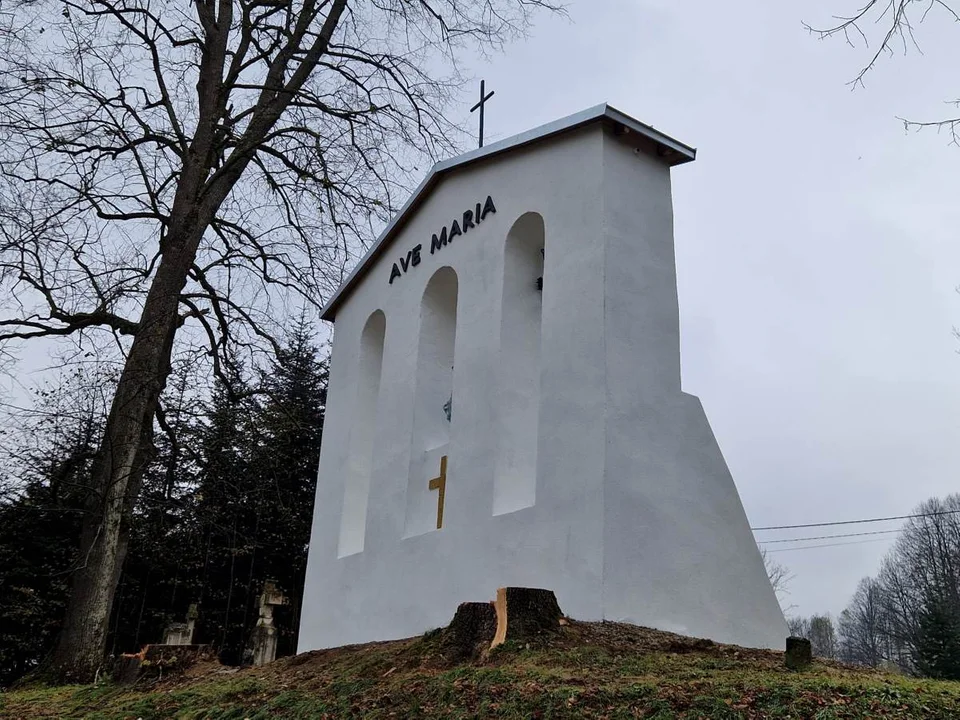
<point>670,151</point>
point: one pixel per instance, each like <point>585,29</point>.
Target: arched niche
<point>353,519</point>
<point>433,403</point>
<point>518,394</point>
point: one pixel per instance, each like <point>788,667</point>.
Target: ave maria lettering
<point>470,219</point>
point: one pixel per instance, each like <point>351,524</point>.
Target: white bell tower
<point>505,406</point>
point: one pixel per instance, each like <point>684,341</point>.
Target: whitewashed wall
<point>634,513</point>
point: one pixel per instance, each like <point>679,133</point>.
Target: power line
<point>855,522</point>
<point>827,537</point>
<point>826,545</point>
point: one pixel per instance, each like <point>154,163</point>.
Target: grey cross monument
<point>480,106</point>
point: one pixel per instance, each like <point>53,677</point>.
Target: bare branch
<point>897,21</point>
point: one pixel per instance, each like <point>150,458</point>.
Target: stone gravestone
<point>182,633</point>
<point>505,406</point>
<point>264,641</point>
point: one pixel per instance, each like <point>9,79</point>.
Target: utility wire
<point>856,522</point>
<point>827,537</point>
<point>825,545</point>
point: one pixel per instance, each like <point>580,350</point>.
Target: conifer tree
<point>160,577</point>
<point>255,496</point>
<point>225,507</point>
<point>49,471</point>
<point>288,451</point>
<point>226,504</point>
<point>938,641</point>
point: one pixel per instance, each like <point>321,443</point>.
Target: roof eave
<point>671,151</point>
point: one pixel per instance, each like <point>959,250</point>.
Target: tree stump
<point>525,613</point>
<point>470,632</point>
<point>157,661</point>
<point>799,653</point>
<point>127,669</point>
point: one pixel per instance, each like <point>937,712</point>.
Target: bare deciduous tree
<point>779,575</point>
<point>171,168</point>
<point>864,639</point>
<point>923,565</point>
<point>823,638</point>
<point>888,26</point>
<point>884,622</point>
<point>799,626</point>
<point>818,629</point>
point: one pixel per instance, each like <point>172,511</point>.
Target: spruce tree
<point>49,474</point>
<point>287,454</point>
<point>161,575</point>
<point>938,641</point>
<point>225,506</point>
<point>38,534</point>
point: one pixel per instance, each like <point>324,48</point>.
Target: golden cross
<point>440,483</point>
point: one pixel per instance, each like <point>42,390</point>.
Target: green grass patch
<point>589,672</point>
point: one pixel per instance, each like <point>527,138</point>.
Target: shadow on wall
<point>353,520</point>
<point>433,403</point>
<point>518,396</point>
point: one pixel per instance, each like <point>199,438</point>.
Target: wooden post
<point>799,653</point>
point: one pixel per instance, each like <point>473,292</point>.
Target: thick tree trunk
<point>124,452</point>
<point>525,614</point>
<point>470,632</point>
<point>128,435</point>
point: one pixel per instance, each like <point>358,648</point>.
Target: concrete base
<point>676,554</point>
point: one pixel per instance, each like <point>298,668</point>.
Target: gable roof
<point>672,152</point>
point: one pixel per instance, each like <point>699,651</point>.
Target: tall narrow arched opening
<point>353,518</point>
<point>518,395</point>
<point>433,404</point>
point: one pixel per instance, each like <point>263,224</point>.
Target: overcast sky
<point>816,247</point>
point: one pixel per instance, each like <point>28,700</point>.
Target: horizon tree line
<point>907,616</point>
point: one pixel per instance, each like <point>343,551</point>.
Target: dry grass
<point>588,670</point>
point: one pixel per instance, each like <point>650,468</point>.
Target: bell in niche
<point>540,279</point>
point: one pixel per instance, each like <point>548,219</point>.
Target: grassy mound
<point>589,670</point>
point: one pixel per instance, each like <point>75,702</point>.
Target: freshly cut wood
<point>525,613</point>
<point>470,632</point>
<point>158,661</point>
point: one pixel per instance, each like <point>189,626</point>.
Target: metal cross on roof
<point>480,105</point>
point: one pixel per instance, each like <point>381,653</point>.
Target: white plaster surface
<point>518,391</point>
<point>433,390</point>
<point>359,460</point>
<point>634,515</point>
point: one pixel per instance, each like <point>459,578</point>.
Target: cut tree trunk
<point>525,614</point>
<point>799,653</point>
<point>470,632</point>
<point>157,661</point>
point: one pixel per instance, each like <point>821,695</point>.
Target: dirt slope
<point>588,670</point>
